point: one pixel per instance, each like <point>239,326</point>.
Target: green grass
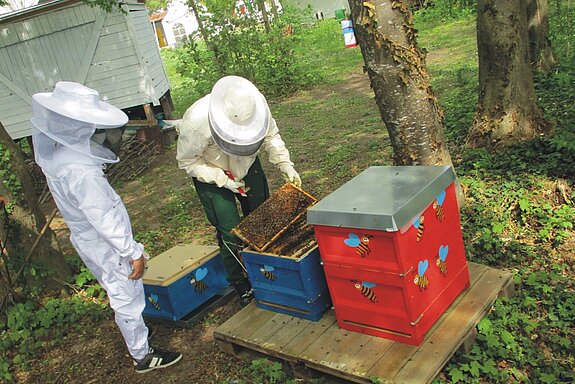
<point>324,48</point>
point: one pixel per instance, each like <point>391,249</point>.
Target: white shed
<point>175,24</point>
<point>115,53</point>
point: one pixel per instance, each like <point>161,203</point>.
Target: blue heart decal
<point>422,267</point>
<point>352,240</point>
<point>201,273</point>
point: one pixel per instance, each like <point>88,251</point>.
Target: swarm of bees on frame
<point>278,226</point>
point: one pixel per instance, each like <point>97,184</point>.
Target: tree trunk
<point>539,43</point>
<point>206,37</point>
<point>507,110</point>
<point>262,7</point>
<point>274,9</point>
<point>20,228</point>
<point>400,81</point>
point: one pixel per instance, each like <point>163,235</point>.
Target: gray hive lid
<point>382,198</point>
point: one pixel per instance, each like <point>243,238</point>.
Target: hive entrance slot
<point>377,328</point>
<point>284,307</point>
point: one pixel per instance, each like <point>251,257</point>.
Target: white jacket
<point>202,158</point>
<point>93,211</point>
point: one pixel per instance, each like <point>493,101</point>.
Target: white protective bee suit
<point>100,230</point>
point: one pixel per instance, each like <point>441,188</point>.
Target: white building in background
<point>327,8</point>
<point>173,25</point>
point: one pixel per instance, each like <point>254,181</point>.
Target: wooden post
<point>167,105</point>
<point>152,132</point>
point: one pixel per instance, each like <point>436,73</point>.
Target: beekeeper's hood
<point>69,116</point>
<point>239,116</point>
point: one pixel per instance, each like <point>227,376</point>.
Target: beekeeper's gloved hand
<point>290,174</point>
<point>236,185</point>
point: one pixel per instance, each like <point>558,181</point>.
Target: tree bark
<point>400,81</point>
<point>20,228</point>
<point>507,110</point>
<point>274,9</point>
<point>539,44</point>
<point>262,7</point>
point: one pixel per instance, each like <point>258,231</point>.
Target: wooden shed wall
<point>107,52</point>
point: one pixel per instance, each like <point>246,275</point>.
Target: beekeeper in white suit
<point>72,157</point>
<point>219,140</point>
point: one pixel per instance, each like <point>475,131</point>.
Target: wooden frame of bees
<point>278,225</point>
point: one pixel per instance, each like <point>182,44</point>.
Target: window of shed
<point>179,33</point>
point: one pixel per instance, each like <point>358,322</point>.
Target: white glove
<point>290,174</point>
<point>236,185</point>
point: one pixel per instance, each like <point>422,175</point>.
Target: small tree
<point>21,222</point>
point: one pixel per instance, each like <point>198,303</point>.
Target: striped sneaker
<point>156,359</point>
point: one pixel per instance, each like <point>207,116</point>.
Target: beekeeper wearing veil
<point>73,133</point>
<point>220,138</point>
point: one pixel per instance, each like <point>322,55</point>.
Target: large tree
<point>400,80</point>
<point>507,111</point>
<point>26,257</point>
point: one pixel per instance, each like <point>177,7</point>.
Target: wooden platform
<point>322,347</point>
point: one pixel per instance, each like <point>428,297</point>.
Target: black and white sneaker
<point>155,359</point>
<point>246,297</point>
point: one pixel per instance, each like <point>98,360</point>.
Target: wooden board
<point>322,347</point>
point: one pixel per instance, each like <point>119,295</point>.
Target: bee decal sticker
<point>421,280</point>
<point>366,290</point>
<point>418,223</point>
<point>362,244</point>
<point>438,206</point>
<point>153,299</point>
<point>440,262</point>
<point>196,279</point>
<point>268,272</point>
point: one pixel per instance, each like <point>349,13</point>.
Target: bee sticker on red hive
<point>440,262</point>
<point>268,272</point>
<point>421,280</point>
<point>362,244</point>
<point>366,290</point>
<point>418,223</point>
<point>438,206</point>
<point>196,279</point>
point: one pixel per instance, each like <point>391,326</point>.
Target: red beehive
<point>391,244</point>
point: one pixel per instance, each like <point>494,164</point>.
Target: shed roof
<point>158,16</point>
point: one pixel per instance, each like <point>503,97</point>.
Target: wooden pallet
<point>322,347</point>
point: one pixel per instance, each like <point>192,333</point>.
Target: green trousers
<point>222,212</point>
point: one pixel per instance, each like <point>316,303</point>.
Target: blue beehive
<point>283,261</point>
<point>182,279</point>
<point>294,286</point>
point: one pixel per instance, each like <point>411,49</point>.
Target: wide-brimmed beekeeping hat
<point>81,103</point>
<point>69,116</point>
<point>239,116</point>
